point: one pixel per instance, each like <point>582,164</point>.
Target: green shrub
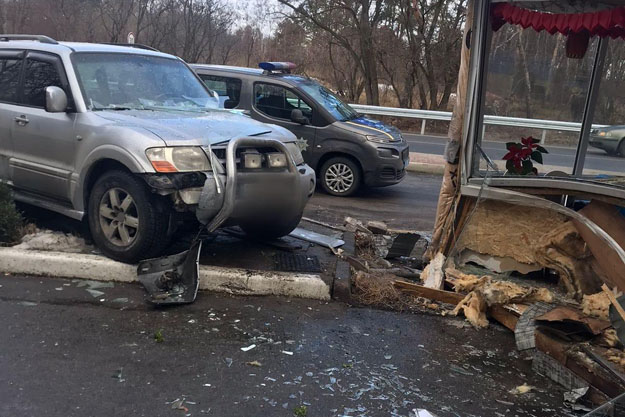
<point>11,221</point>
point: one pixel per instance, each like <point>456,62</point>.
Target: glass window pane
<point>9,79</point>
<point>38,76</point>
<point>534,90</point>
<point>277,101</point>
<point>228,89</point>
<point>605,158</point>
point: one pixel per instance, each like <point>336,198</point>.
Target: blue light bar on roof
<point>277,66</point>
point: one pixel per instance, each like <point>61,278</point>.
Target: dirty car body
<point>139,147</point>
<point>345,148</point>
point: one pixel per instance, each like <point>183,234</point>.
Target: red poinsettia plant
<point>520,156</point>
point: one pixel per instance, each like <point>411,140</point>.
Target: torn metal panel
<point>172,279</point>
<point>496,264</point>
<point>318,238</point>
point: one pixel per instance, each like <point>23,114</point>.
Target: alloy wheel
<point>119,217</point>
<point>339,178</point>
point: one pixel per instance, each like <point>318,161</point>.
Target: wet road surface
<point>411,204</point>
<point>69,351</point>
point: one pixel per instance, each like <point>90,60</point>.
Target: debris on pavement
<point>318,238</point>
<point>546,293</point>
<point>433,275</point>
<point>254,363</point>
<point>522,389</point>
<point>421,413</point>
<point>248,348</point>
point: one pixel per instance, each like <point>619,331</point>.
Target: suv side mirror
<point>56,100</point>
<point>298,117</point>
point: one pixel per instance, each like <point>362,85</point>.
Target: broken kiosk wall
<point>544,246</point>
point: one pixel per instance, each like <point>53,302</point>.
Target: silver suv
<point>131,139</point>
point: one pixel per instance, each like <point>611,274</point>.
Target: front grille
<point>390,173</point>
<point>220,153</point>
<point>387,173</point>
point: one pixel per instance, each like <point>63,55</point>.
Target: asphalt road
<point>411,204</point>
<point>65,353</point>
<point>559,156</point>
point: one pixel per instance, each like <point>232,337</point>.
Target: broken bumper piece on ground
<point>172,279</point>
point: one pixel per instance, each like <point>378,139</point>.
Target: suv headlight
<point>178,159</point>
<point>295,152</point>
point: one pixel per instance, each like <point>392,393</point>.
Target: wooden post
<point>447,200</point>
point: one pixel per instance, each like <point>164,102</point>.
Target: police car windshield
<point>326,98</point>
<point>121,81</point>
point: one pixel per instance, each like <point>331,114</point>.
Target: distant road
<point>560,156</point>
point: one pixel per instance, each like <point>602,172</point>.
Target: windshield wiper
<point>117,108</point>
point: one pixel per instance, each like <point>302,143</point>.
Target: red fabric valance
<point>604,23</point>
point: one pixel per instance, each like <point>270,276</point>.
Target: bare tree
<point>352,24</point>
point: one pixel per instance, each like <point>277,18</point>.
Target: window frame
<point>57,62</point>
<point>481,42</point>
<point>225,79</point>
<point>18,54</point>
<point>286,88</point>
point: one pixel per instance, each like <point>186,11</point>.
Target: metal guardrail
<point>425,115</point>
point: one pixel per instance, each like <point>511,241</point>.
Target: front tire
<point>126,221</point>
<point>340,176</point>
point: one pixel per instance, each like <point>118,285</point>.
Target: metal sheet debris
<point>172,279</point>
<point>318,238</point>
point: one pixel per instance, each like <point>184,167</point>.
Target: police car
<point>345,148</point>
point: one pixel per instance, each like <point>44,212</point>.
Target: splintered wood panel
<point>610,219</point>
<point>507,230</point>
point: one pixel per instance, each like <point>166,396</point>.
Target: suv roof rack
<point>39,38</point>
<point>133,45</point>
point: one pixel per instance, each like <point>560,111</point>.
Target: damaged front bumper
<point>243,195</point>
<point>227,193</point>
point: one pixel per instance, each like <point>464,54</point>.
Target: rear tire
<point>271,229</point>
<point>127,222</point>
<point>340,176</point>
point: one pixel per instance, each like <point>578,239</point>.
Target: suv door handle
<point>22,120</point>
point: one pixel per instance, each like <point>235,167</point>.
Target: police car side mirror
<point>298,117</point>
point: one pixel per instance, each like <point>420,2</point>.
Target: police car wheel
<point>340,176</point>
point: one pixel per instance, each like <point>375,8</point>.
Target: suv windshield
<point>326,98</point>
<point>120,81</point>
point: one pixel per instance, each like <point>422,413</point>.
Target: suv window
<point>228,89</point>
<point>9,78</point>
<point>277,101</point>
<point>38,76</point>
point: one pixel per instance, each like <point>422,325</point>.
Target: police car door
<point>274,103</point>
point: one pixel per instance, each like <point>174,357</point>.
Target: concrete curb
<point>426,168</point>
<point>100,268</point>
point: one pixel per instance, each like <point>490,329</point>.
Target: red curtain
<point>604,23</point>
